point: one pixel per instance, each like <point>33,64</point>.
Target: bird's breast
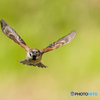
<point>33,59</point>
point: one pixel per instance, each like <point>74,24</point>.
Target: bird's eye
<point>30,53</point>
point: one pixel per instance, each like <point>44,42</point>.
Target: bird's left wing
<point>8,31</point>
<point>64,40</point>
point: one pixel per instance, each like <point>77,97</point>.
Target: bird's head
<point>35,54</point>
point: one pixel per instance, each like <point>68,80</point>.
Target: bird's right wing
<point>9,32</point>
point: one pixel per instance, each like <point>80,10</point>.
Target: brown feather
<point>31,64</point>
<point>64,40</point>
<point>9,32</point>
<point>41,65</point>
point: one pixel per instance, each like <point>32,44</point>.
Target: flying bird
<point>34,56</point>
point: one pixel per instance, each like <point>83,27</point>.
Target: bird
<point>34,56</point>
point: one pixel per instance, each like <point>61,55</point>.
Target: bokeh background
<point>73,67</point>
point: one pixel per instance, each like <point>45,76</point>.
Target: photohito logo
<point>83,93</point>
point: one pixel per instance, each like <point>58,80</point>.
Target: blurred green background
<point>73,67</point>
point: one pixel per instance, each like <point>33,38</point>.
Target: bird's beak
<point>34,54</point>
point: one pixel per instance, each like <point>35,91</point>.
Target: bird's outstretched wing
<point>31,64</point>
<point>64,40</point>
<point>8,31</point>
